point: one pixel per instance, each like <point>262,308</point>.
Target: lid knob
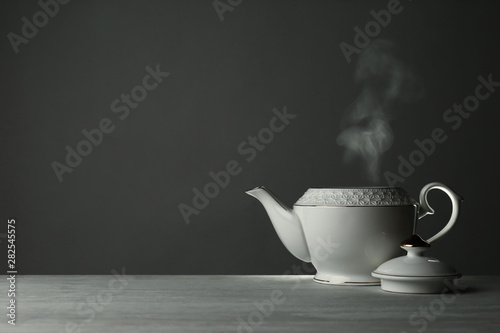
<point>415,241</point>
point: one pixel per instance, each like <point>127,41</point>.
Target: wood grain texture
<point>55,304</point>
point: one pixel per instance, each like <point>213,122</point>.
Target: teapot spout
<point>285,221</point>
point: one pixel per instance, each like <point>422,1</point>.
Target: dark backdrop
<point>120,206</point>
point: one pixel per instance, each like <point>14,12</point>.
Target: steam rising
<point>366,130</point>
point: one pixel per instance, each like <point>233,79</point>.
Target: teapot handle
<point>425,209</point>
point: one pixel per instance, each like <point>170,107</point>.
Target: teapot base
<point>342,281</point>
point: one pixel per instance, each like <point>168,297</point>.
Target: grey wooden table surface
<point>144,303</point>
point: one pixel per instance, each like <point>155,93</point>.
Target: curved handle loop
<point>425,209</point>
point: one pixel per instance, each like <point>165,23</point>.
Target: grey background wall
<point>119,207</point>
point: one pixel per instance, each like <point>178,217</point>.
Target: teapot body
<point>347,243</point>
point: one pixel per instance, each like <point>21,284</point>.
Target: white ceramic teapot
<point>348,232</point>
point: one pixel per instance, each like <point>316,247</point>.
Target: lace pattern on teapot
<point>356,197</point>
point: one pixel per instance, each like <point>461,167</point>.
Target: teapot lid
<point>415,273</point>
<point>366,196</point>
<point>415,263</point>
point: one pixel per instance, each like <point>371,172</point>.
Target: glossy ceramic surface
<point>347,243</point>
